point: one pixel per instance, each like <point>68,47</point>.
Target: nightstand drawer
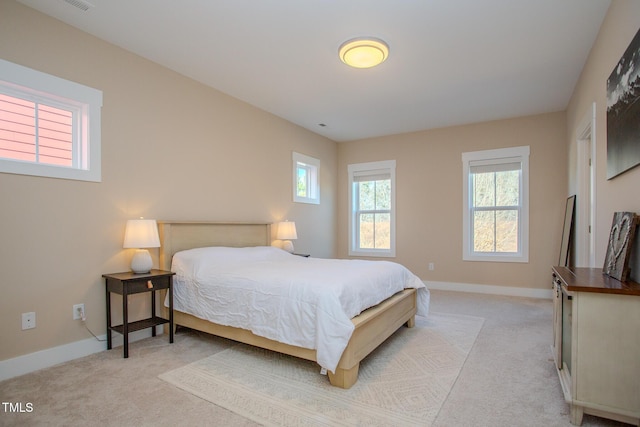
<point>145,285</point>
<point>135,286</point>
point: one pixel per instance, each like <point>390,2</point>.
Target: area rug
<point>403,382</point>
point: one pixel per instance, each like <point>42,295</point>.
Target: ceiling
<point>451,62</point>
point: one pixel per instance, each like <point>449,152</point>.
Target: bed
<point>370,328</point>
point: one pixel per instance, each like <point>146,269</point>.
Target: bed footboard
<point>373,327</point>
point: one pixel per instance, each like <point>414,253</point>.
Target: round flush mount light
<point>364,52</point>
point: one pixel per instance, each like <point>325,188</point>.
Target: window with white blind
<point>48,126</point>
<point>496,205</point>
<point>372,209</point>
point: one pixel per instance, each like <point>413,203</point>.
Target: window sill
<point>496,258</point>
<point>374,254</point>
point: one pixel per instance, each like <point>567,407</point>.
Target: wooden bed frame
<point>372,327</point>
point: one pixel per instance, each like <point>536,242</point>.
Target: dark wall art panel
<point>623,112</point>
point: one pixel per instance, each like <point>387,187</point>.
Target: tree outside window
<point>374,214</point>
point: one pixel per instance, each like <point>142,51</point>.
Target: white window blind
<point>375,175</point>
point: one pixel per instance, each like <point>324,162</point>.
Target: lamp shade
<point>287,231</point>
<point>141,233</point>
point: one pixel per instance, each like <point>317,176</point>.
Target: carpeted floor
<point>403,382</point>
<point>508,378</point>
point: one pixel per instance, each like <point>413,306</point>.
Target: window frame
<point>85,103</point>
<point>312,165</point>
<point>389,166</point>
<point>495,157</point>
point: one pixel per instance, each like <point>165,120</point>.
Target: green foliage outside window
<point>303,181</point>
<point>374,218</point>
<point>495,204</point>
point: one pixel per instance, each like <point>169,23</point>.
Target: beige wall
<point>171,149</point>
<point>174,149</point>
<point>429,197</point>
<point>621,193</point>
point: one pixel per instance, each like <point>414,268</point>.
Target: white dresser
<point>596,343</point>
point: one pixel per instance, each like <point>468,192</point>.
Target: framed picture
<point>623,229</point>
<point>623,111</point>
<point>567,232</point>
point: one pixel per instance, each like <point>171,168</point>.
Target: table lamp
<point>141,234</point>
<point>286,233</point>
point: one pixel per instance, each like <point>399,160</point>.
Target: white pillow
<point>191,258</point>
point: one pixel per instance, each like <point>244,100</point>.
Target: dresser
<point>596,343</point>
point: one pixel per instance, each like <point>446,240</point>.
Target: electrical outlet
<point>78,312</point>
<point>432,266</point>
<point>28,320</point>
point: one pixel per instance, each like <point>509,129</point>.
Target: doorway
<point>585,191</point>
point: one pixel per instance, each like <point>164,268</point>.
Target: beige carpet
<point>508,380</point>
<point>403,382</point>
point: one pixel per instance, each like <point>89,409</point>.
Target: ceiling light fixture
<point>363,52</point>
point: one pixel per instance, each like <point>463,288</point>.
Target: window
<point>372,202</point>
<point>48,126</point>
<point>306,187</point>
<point>496,205</point>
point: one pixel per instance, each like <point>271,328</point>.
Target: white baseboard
<point>21,365</point>
<point>491,289</point>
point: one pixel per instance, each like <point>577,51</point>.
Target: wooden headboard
<point>177,236</point>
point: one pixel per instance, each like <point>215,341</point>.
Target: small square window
<point>306,182</point>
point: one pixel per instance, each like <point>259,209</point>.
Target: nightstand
<point>129,283</point>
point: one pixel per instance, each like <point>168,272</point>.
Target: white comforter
<point>306,302</point>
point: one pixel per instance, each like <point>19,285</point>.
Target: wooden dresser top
<point>577,279</point>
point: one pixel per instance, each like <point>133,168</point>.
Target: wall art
<point>623,112</point>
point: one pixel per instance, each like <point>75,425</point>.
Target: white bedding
<point>306,302</point>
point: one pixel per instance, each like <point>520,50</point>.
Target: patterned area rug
<point>404,382</point>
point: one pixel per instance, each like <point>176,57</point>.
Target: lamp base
<point>287,245</point>
<point>141,261</point>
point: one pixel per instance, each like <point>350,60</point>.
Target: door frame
<point>585,236</point>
